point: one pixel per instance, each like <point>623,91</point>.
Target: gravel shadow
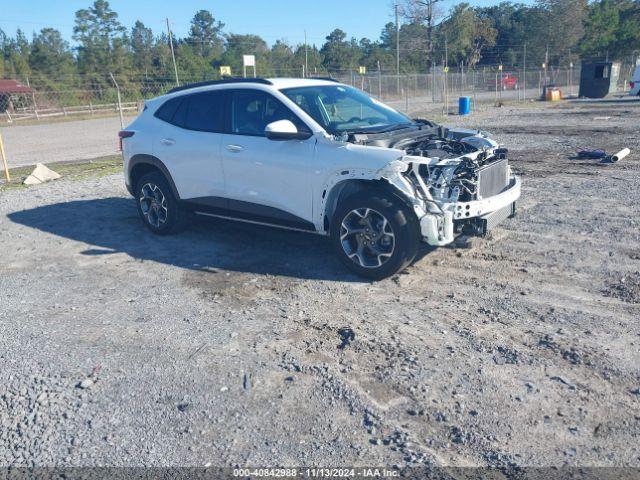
<point>111,225</point>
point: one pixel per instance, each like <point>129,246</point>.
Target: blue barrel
<point>464,106</point>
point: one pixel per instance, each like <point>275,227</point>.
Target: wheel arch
<point>348,187</point>
<point>141,164</point>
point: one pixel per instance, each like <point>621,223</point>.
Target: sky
<point>271,19</point>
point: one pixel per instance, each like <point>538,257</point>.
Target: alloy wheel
<point>367,237</point>
<point>153,205</point>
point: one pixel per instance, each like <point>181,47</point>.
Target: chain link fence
<point>408,92</point>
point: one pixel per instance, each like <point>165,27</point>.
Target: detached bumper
<point>481,215</point>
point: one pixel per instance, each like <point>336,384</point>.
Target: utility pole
<point>173,55</point>
<point>397,47</point>
<point>306,54</point>
<point>524,72</point>
<point>546,64</point>
<point>446,70</point>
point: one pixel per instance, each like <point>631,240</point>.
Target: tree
<point>564,27</point>
<point>50,54</point>
<point>467,34</point>
<point>14,54</point>
<point>239,45</point>
<point>206,34</point>
<point>425,12</point>
<point>142,46</point>
<point>612,29</point>
<point>102,40</point>
<point>282,60</point>
<point>338,53</point>
<point>313,58</point>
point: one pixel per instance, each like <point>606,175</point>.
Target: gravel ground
<point>235,344</point>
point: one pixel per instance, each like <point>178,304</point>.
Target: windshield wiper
<point>397,126</point>
<point>381,128</point>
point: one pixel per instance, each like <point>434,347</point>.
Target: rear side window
<point>202,112</point>
<point>168,109</point>
<point>205,111</point>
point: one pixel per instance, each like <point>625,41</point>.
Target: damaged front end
<point>458,181</point>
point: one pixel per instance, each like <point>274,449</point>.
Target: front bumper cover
<point>438,228</point>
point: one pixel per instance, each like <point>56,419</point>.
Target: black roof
<point>224,81</point>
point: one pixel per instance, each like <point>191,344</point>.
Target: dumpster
<point>598,79</point>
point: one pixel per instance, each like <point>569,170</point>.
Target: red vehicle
<point>503,81</point>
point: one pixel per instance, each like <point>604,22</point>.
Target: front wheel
<point>375,234</point>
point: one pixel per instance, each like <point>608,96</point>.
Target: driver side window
<point>253,110</point>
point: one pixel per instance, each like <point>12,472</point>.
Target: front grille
<point>493,178</point>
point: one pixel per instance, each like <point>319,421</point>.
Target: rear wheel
<point>375,234</point>
<point>157,206</point>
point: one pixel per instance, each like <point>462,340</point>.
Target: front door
<point>266,180</point>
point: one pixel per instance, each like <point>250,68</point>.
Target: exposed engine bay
<point>458,180</point>
<point>451,165</point>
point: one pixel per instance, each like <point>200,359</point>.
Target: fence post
<point>33,100</point>
<point>4,160</point>
<point>119,100</point>
<point>406,94</point>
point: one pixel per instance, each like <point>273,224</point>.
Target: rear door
<point>188,142</point>
<point>266,180</point>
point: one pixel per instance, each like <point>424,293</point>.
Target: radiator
<point>493,178</point>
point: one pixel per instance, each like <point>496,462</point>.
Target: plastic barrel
<point>464,106</point>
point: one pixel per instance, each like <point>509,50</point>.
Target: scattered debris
<point>563,381</point>
<point>247,382</point>
<point>84,384</point>
<point>591,153</point>
<point>41,174</point>
<point>346,336</point>
<point>620,155</point>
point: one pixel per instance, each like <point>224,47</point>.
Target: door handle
<point>234,148</point>
<point>167,141</point>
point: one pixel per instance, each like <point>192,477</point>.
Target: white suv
<point>318,156</point>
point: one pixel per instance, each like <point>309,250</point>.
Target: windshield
<point>340,109</point>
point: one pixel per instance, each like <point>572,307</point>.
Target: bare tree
<point>425,12</point>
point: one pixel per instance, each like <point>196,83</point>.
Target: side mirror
<point>284,130</point>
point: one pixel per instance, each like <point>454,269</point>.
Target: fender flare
<point>143,159</point>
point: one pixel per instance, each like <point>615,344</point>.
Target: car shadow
<point>112,225</point>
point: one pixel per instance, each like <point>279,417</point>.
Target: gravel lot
<point>221,345</point>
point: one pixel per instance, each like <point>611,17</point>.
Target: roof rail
<point>189,86</point>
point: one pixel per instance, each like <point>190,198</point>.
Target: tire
<point>157,206</point>
<point>365,243</point>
